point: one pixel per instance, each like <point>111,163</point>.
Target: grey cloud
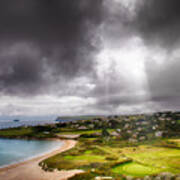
<point>115,88</point>
<point>46,45</point>
<point>63,32</point>
<point>114,101</point>
<point>157,21</point>
<point>164,82</point>
<point>117,27</point>
<point>19,71</point>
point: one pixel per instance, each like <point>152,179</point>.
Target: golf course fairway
<point>135,169</point>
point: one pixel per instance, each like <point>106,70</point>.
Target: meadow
<point>99,157</point>
<point>36,132</point>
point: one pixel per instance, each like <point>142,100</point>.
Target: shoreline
<point>30,169</point>
<point>35,156</point>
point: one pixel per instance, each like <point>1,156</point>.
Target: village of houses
<point>133,128</point>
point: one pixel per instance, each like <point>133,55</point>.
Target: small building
<point>82,128</point>
<point>158,133</point>
<point>142,138</point>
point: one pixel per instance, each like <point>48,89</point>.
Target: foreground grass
<point>149,160</point>
<point>117,158</point>
<point>167,159</point>
<point>136,169</point>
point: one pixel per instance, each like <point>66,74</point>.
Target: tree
<point>105,133</point>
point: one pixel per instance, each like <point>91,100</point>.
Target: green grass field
<point>16,132</point>
<point>156,156</point>
<point>114,160</point>
<point>135,169</point>
<point>74,132</point>
<point>148,160</point>
<point>25,132</point>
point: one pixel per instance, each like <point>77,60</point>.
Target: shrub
<point>83,176</point>
<point>111,158</point>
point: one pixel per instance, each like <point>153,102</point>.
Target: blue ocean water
<point>4,124</point>
<point>10,124</point>
<point>13,151</point>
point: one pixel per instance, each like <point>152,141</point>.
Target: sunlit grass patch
<point>159,157</point>
<point>85,157</point>
<point>115,158</point>
<point>80,132</point>
<point>135,169</point>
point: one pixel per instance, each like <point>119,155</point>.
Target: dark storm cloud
<point>113,101</point>
<point>50,45</point>
<point>155,21</point>
<point>158,22</point>
<point>114,88</point>
<point>61,36</point>
<point>20,70</point>
<point>164,81</point>
<point>117,23</point>
<point>52,20</point>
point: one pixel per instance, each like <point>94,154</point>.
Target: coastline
<point>30,169</point>
<point>34,156</point>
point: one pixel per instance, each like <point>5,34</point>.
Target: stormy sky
<point>73,57</point>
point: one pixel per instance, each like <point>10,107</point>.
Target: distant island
<point>16,120</point>
<point>143,146</point>
<point>74,118</point>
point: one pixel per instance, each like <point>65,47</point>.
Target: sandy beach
<point>30,170</point>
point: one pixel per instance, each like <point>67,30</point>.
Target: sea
<point>11,123</point>
<point>14,151</point>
